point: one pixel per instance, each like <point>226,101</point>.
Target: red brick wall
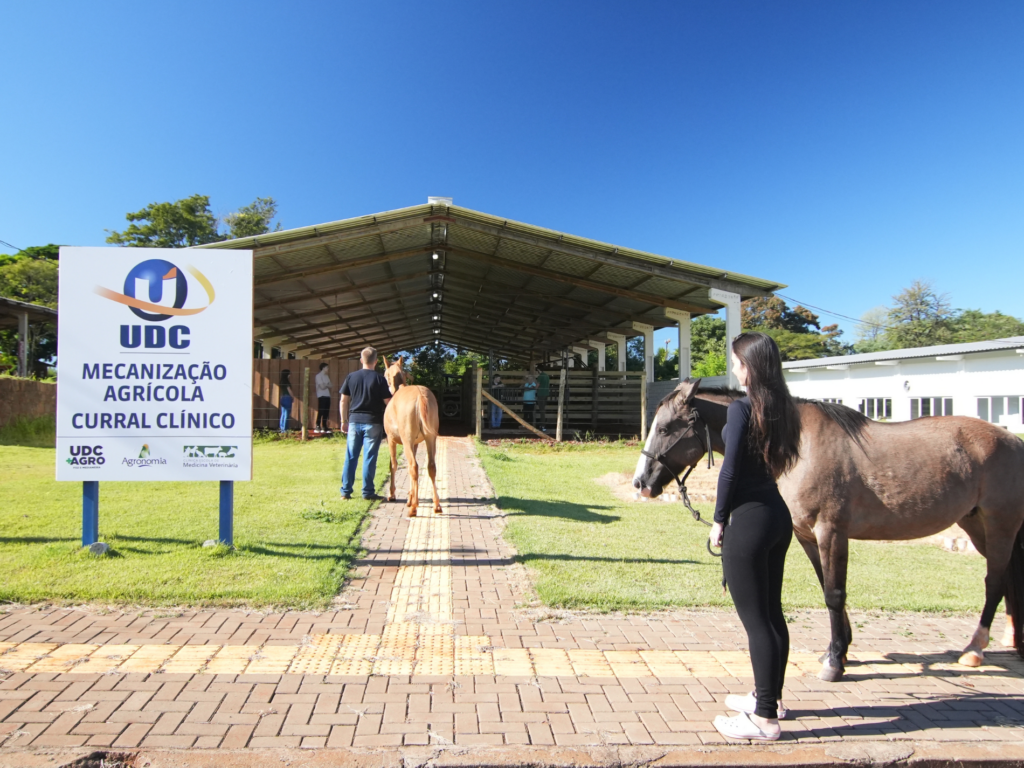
<point>23,398</point>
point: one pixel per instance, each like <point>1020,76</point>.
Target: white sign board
<point>154,364</point>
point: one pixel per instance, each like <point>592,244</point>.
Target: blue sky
<point>844,148</point>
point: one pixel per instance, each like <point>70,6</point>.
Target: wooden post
<point>305,398</point>
<point>515,416</point>
<point>478,387</point>
<point>593,403</point>
<point>643,408</point>
<point>23,344</point>
<point>561,403</point>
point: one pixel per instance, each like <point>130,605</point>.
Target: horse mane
<point>735,394</point>
<point>852,422</point>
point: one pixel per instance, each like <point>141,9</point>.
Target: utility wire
<point>16,248</point>
<point>879,326</point>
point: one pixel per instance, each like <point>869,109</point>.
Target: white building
<point>984,379</point>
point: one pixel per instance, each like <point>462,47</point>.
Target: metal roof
<point>941,350</point>
<point>333,288</point>
<point>10,309</point>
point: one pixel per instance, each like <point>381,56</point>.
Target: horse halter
<point>705,444</point>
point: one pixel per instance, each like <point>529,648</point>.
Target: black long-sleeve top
<point>744,476</point>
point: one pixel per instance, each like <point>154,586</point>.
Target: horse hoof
<point>973,659</point>
<point>1007,640</point>
<point>830,674</point>
<point>438,510</point>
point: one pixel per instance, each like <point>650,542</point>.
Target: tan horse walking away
<point>410,419</point>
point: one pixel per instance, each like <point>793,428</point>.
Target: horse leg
<point>414,483</point>
<point>811,548</point>
<point>431,443</point>
<point>997,551</point>
<point>834,551</point>
<point>974,527</point>
<point>393,449</point>
<point>1009,638</point>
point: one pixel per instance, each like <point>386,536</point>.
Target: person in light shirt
<point>323,401</point>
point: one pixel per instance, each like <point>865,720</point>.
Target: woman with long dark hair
<point>762,441</point>
<point>286,398</point>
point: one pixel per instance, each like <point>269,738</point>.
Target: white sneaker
<point>742,727</point>
<point>747,704</point>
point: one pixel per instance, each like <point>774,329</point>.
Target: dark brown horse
<point>860,479</point>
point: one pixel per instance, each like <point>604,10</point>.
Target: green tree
<point>871,335</point>
<point>975,325</point>
<point>919,317</point>
<point>797,330</point>
<point>254,219</point>
<point>30,275</point>
<point>181,224</point>
<point>666,366</point>
<point>707,346</point>
<point>712,364</point>
<point>764,312</point>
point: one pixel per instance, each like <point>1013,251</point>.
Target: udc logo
<point>156,290</point>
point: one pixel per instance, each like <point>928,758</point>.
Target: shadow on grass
<point>565,509</point>
<point>527,558</point>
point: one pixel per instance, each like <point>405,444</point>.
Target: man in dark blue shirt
<point>364,395</point>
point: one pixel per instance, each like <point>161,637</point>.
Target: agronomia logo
<point>164,287</point>
<point>144,460</point>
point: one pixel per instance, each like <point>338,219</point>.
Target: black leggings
<point>754,557</point>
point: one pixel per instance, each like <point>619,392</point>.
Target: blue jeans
<point>286,406</point>
<point>360,436</point>
<point>496,414</point>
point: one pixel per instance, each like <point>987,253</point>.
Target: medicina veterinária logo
<point>155,355</point>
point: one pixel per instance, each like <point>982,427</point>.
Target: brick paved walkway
<point>430,645</point>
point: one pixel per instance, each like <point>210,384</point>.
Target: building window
<point>836,400</point>
<point>930,406</point>
<point>992,409</point>
<point>876,407</point>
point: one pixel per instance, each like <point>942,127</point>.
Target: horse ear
<point>398,362</point>
<point>686,391</point>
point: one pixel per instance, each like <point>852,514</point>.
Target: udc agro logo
<point>86,456</point>
<point>156,290</point>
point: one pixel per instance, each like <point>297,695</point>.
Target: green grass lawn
<point>587,549</point>
<point>294,536</point>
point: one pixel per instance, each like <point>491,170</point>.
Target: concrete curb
<point>865,753</point>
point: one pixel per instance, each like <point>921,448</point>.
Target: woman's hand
<point>715,537</point>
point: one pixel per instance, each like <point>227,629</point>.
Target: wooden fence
<point>599,402</point>
<point>266,391</point>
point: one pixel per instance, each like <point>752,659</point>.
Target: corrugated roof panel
<point>522,252</point>
<point>405,239</point>
<point>575,266</point>
<point>355,249</point>
<point>460,237</point>
<point>972,347</point>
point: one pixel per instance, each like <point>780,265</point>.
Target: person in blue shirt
<point>364,395</point>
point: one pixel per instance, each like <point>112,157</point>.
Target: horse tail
<point>424,408</point>
<point>1015,591</point>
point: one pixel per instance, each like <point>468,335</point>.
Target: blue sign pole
<point>90,512</point>
<point>227,512</point>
